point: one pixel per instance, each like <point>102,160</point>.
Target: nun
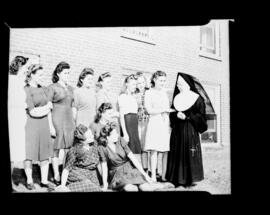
<point>185,166</point>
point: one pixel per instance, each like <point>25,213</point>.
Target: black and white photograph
<point>120,109</point>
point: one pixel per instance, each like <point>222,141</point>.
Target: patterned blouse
<point>142,112</point>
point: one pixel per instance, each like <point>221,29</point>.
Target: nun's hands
<point>181,115</point>
<point>170,110</point>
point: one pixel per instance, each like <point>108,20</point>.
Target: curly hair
<point>59,68</point>
<point>84,73</point>
<point>101,78</point>
<point>138,75</point>
<point>16,64</point>
<point>102,108</point>
<point>79,134</point>
<point>32,69</point>
<point>105,133</point>
<point>156,75</point>
<point>127,80</point>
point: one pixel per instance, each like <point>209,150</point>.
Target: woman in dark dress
<point>63,113</point>
<point>185,157</point>
<point>125,171</point>
<point>80,171</point>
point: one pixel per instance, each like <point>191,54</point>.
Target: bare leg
<point>150,186</point>
<point>144,157</point>
<point>139,157</point>
<point>131,188</point>
<point>99,169</point>
<point>28,171</point>
<point>154,165</point>
<point>64,156</point>
<point>160,161</point>
<point>44,166</point>
<point>164,165</point>
<point>55,164</point>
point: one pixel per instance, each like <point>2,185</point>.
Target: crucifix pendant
<point>192,150</point>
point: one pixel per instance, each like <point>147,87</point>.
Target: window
<point>210,41</point>
<point>212,135</point>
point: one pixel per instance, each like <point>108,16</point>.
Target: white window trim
<point>216,56</point>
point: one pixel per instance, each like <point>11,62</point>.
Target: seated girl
<point>80,170</point>
<point>120,166</point>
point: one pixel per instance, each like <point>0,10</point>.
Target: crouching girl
<point>80,171</point>
<point>125,173</point>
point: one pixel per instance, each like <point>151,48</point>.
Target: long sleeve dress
<point>16,118</point>
<point>185,157</point>
<point>82,166</point>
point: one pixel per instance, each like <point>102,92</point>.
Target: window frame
<point>217,42</point>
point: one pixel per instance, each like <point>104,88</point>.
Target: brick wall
<point>175,50</point>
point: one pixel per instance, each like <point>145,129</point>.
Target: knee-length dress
<point>38,145</point>
<point>85,103</point>
<point>129,107</point>
<point>185,157</point>
<point>158,128</point>
<point>121,170</point>
<point>62,115</point>
<point>82,167</point>
<point>16,118</point>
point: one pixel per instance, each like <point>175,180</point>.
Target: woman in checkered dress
<point>80,171</point>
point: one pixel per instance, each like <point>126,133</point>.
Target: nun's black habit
<point>185,157</point>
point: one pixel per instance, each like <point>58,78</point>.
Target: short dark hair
<point>16,64</point>
<point>105,132</point>
<point>32,69</point>
<point>102,108</point>
<point>84,73</point>
<point>155,75</point>
<point>59,68</point>
<point>103,76</point>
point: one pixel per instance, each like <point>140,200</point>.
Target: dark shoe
<point>159,178</point>
<point>30,186</point>
<point>49,186</point>
<point>57,183</point>
<point>163,180</point>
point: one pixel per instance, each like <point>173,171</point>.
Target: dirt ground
<point>216,162</point>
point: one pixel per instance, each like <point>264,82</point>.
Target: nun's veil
<point>196,87</point>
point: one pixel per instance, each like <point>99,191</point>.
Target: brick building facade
<point>122,51</point>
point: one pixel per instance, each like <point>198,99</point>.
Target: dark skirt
<point>131,120</point>
<point>185,157</point>
<point>38,139</point>
<point>123,175</point>
<point>64,125</point>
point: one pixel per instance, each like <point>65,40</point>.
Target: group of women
<point>108,142</point>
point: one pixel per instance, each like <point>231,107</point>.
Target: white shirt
<point>127,104</point>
